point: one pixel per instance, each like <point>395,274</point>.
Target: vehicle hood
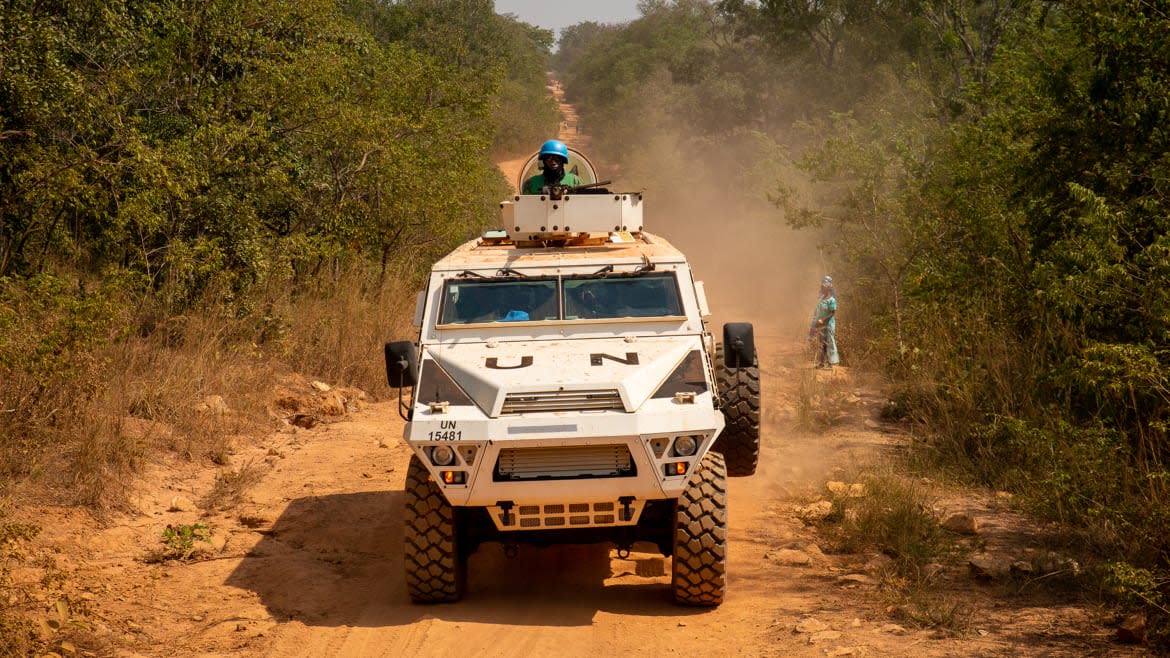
<point>550,375</point>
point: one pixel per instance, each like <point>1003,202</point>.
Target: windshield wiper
<point>604,270</point>
<point>507,271</point>
<point>467,273</point>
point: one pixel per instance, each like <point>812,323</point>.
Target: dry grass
<point>891,514</point>
<point>808,390</point>
<point>102,460</point>
<point>821,399</point>
<point>16,626</point>
<point>194,385</point>
<point>885,513</point>
<point>231,487</point>
<point>189,392</point>
<point>877,510</point>
<point>926,606</point>
<point>337,334</point>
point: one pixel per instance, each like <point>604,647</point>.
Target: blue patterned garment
<point>826,333</point>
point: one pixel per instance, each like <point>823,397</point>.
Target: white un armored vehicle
<point>566,390</point>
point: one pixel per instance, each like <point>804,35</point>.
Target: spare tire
<point>739,390</point>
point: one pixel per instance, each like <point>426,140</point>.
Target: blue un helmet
<point>555,147</point>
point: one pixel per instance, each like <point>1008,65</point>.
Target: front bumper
<point>565,470</point>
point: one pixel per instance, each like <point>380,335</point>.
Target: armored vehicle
<point>564,388</point>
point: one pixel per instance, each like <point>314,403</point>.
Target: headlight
<point>685,446</point>
<point>442,455</point>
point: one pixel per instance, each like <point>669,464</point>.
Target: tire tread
<point>431,560</point>
<point>699,562</point>
<point>742,409</point>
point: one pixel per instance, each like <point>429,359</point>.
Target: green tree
<point>165,162</point>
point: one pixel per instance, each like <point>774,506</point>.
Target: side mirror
<point>739,345</point>
<point>401,364</point>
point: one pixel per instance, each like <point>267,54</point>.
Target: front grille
<point>519,403</point>
<point>532,517</point>
<point>564,462</point>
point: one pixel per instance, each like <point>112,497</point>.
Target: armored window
<point>622,296</point>
<point>467,301</point>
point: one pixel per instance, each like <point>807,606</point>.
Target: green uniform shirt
<point>535,184</point>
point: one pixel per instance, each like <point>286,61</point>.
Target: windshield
<point>467,301</point>
<point>636,296</point>
<point>496,300</point>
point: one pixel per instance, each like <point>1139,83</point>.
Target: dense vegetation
<point>193,195</point>
<point>994,179</point>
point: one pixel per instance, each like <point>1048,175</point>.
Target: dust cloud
<point>711,202</point>
<point>714,207</point>
<point>754,266</point>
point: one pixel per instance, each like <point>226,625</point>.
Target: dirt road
<point>569,132</point>
<point>310,562</point>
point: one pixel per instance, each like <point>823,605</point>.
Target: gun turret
<point>580,209</point>
<point>558,192</point>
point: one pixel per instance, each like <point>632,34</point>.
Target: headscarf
<point>827,282</point>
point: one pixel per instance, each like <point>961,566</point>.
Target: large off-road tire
<point>700,536</point>
<point>434,566</point>
<point>740,440</point>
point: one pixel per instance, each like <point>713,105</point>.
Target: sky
<point>558,14</point>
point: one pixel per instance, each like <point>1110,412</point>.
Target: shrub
<point>179,542</point>
<point>51,331</point>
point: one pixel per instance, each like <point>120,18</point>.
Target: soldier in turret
<point>554,155</point>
